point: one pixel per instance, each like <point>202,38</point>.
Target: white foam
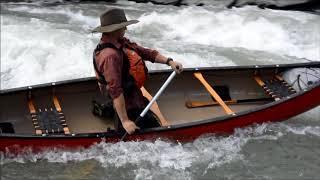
<point>292,33</point>
<point>161,159</point>
<point>153,159</point>
<point>74,15</point>
<point>42,53</point>
<point>157,159</point>
<point>302,130</point>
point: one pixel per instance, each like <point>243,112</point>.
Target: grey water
<point>42,42</point>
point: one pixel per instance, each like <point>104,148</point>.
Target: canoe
<point>199,101</point>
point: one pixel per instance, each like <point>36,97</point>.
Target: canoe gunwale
<point>202,69</point>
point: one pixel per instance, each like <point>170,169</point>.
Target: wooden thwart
<point>213,93</point>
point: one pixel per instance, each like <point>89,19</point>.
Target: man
<point>121,70</point>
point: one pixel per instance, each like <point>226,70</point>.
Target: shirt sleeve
<point>145,53</point>
<point>112,71</point>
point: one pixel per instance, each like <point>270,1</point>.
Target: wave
<point>217,150</point>
<point>284,33</point>
<point>162,158</point>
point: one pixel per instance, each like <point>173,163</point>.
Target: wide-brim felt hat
<point>113,19</point>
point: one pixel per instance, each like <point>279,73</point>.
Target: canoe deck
<point>75,100</point>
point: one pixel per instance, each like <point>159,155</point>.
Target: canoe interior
<point>75,99</point>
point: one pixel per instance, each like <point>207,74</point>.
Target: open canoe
<point>199,101</point>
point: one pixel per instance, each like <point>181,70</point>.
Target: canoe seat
<point>223,92</point>
<point>48,120</point>
<point>276,87</point>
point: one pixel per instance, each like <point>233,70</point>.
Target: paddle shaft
<point>146,109</point>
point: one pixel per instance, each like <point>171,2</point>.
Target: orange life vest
<point>132,61</point>
<point>138,69</point>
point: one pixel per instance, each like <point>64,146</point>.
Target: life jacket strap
<point>100,47</point>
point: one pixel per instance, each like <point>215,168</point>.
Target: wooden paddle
<point>196,104</point>
<point>213,93</point>
<point>146,109</point>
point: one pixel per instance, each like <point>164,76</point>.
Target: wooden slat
<point>213,93</point>
<point>279,77</point>
<point>285,83</point>
<point>39,132</point>
<point>32,110</point>
<point>259,81</point>
<point>66,130</point>
<point>58,108</point>
<point>263,85</point>
<point>56,103</point>
<point>31,106</point>
<point>155,108</point>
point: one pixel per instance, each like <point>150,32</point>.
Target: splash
<point>284,33</point>
<point>165,154</point>
<point>161,158</point>
<point>56,54</point>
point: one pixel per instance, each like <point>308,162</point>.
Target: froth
<point>161,159</point>
<point>248,28</point>
<point>211,150</point>
<point>43,53</point>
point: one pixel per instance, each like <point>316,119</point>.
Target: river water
<point>43,42</point>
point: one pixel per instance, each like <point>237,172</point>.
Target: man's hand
<point>119,104</point>
<point>176,66</point>
<point>129,126</point>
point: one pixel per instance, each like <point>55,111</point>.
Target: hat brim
<point>113,27</point>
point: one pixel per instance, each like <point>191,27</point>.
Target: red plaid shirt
<point>110,61</point>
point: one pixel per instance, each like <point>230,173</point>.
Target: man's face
<point>119,33</point>
<point>122,32</point>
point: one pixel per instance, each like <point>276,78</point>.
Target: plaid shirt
<point>110,61</point>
